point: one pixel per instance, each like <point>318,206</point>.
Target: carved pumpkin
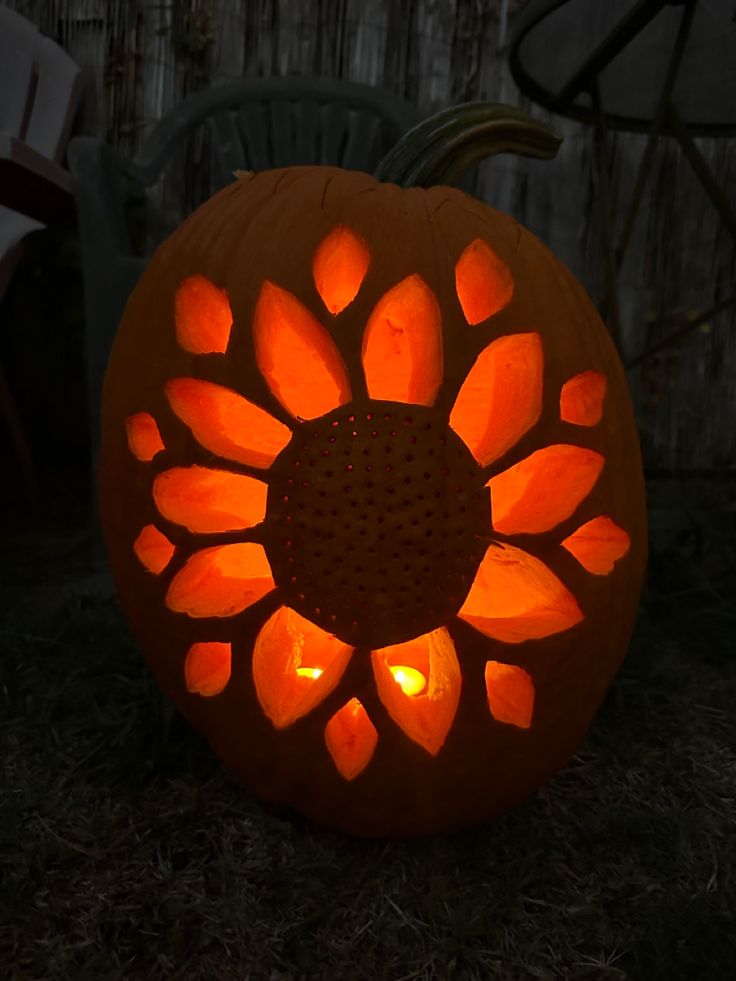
<point>371,488</point>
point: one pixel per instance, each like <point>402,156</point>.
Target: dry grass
<point>128,852</point>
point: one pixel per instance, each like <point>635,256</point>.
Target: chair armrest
<point>31,183</point>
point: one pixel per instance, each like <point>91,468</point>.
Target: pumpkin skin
<point>268,228</point>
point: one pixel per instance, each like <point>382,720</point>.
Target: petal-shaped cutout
<point>153,548</point>
<point>221,581</point>
<point>295,665</point>
<point>543,489</point>
<point>501,398</point>
<point>483,282</point>
<point>202,316</point>
<point>598,544</point>
<point>144,439</point>
<point>402,344</point>
<point>205,500</point>
<point>426,716</point>
<point>297,356</point>
<point>510,692</point>
<point>207,668</point>
<point>226,423</point>
<point>340,264</point>
<point>351,739</point>
<point>581,398</point>
<point>515,597</point>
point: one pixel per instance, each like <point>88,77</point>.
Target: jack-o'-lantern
<point>372,493</point>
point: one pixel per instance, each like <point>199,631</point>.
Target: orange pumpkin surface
<point>372,493</point>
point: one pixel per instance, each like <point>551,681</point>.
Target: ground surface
<point>126,851</point>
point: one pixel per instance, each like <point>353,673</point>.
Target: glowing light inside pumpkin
<point>285,689</point>
<point>226,423</point>
<point>483,282</point>
<point>153,548</point>
<point>207,668</point>
<point>515,597</point>
<point>202,316</point>
<point>351,738</point>
<point>543,489</point>
<point>425,716</point>
<point>510,692</point>
<point>402,344</point>
<point>581,398</point>
<point>598,545</point>
<point>221,581</point>
<point>297,356</point>
<point>501,397</point>
<point>207,500</point>
<point>144,439</point>
<point>339,267</point>
<point>412,681</point>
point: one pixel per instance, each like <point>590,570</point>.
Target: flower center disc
<point>378,519</point>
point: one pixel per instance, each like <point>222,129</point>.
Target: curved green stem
<point>441,148</point>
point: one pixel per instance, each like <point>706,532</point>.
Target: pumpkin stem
<point>441,148</point>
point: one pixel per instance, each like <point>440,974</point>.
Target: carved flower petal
<point>581,398</point>
<point>153,548</point>
<point>221,581</point>
<point>295,665</point>
<point>402,345</point>
<point>598,545</point>
<point>510,692</point>
<point>339,267</point>
<point>351,739</point>
<point>297,356</point>
<point>226,423</point>
<point>419,683</point>
<point>542,490</point>
<point>144,439</point>
<point>202,316</point>
<point>205,500</point>
<point>483,281</point>
<point>207,668</point>
<point>515,597</point>
<point>501,397</point>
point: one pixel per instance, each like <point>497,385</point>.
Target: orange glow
<point>402,345</point>
<point>202,316</point>
<point>205,500</point>
<point>153,549</point>
<point>425,717</point>
<point>543,489</point>
<point>207,668</point>
<point>597,545</point>
<point>351,739</point>
<point>501,398</point>
<point>412,682</point>
<point>144,439</point>
<point>297,356</point>
<point>221,581</point>
<point>340,264</point>
<point>227,424</point>
<point>510,693</point>
<point>515,597</point>
<point>287,689</point>
<point>483,282</point>
<point>581,398</point>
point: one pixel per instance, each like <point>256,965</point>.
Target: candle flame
<point>412,681</point>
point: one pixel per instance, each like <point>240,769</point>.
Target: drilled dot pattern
<point>378,519</point>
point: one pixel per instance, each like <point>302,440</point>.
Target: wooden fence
<point>143,57</point>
